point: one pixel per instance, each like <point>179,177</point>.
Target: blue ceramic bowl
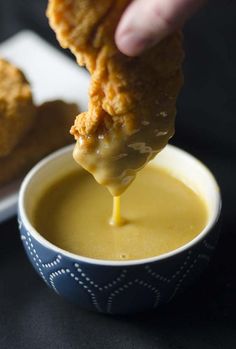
<point>115,287</point>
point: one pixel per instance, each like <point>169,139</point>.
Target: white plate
<point>52,76</point>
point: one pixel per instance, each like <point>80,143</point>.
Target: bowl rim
<point>112,263</point>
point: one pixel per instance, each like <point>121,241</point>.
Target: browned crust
<point>120,85</point>
<point>49,133</point>
<point>17,110</point>
<point>132,101</point>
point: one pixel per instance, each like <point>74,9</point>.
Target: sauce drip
<point>117,219</point>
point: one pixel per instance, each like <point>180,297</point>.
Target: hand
<point>146,22</point>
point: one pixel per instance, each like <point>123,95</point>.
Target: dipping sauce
<point>161,214</point>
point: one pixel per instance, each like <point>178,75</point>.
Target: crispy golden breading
<point>17,111</point>
<point>132,100</point>
<point>49,133</point>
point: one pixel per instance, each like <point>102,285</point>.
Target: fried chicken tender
<point>50,132</point>
<point>132,102</point>
<point>17,111</point>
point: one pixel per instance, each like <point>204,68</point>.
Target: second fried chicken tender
<point>17,111</point>
<point>132,102</point>
<point>49,133</point>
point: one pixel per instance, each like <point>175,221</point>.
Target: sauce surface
<point>161,214</point>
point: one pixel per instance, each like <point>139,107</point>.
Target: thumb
<point>146,22</point>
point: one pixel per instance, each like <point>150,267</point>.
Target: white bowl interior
<point>44,174</point>
<point>179,163</point>
<point>194,174</point>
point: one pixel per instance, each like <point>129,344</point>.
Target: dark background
<point>31,316</point>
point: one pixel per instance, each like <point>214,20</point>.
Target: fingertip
<point>132,44</point>
<point>124,44</point>
<point>122,40</point>
<point>136,33</point>
<point>127,36</point>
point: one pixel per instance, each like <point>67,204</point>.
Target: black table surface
<point>32,316</point>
